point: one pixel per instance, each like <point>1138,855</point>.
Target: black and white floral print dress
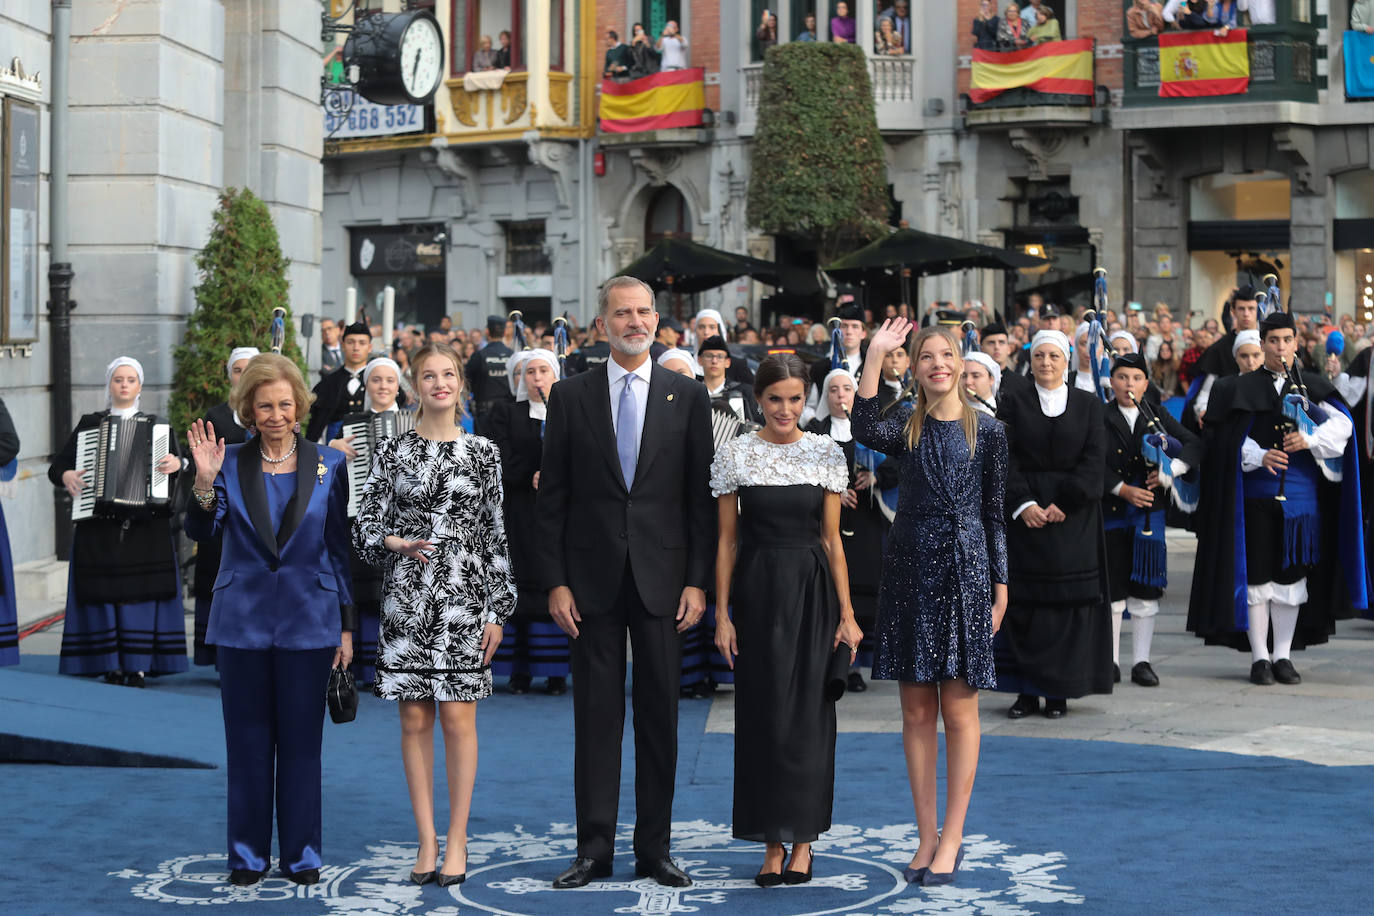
<point>448,493</point>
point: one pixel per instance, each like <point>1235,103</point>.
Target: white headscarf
<point>677,353</point>
<point>990,364</point>
<point>367,370</point>
<point>1243,338</point>
<point>1131,345</point>
<point>109,374</point>
<point>237,354</point>
<point>1057,338</point>
<point>709,313</point>
<point>839,423</point>
<point>515,373</point>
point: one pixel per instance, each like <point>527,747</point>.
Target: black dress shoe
<point>1056,709</point>
<point>792,876</point>
<point>519,683</point>
<point>1262,673</point>
<point>580,872</point>
<point>114,677</point>
<point>1285,673</point>
<point>771,878</point>
<point>243,877</point>
<point>664,872</point>
<point>856,683</point>
<point>304,876</point>
<point>135,679</point>
<point>421,878</point>
<point>1116,673</point>
<point>444,880</point>
<point>556,686</point>
<point>1144,675</point>
<point>1024,706</point>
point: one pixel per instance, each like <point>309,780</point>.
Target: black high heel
<point>421,878</point>
<point>771,878</point>
<point>791,876</point>
<point>444,880</point>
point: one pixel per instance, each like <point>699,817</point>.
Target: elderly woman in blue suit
<point>281,613</point>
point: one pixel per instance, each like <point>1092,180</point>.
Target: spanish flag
<point>1199,63</point>
<point>1058,67</point>
<point>672,98</point>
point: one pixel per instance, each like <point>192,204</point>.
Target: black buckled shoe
<point>581,872</point>
<point>1144,675</point>
<point>1262,673</point>
<point>664,871</point>
<point>1024,706</point>
<point>1285,673</point>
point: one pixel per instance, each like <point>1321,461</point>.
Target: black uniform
<point>487,379</point>
<point>333,402</point>
<point>740,400</point>
<point>207,552</point>
<point>591,356</point>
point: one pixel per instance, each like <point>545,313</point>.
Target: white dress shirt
<point>1328,440</point>
<point>615,374</point>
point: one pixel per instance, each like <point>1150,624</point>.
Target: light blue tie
<point>627,421</point>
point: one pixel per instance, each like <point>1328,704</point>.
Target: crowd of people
<point>644,55</point>
<point>962,502</point>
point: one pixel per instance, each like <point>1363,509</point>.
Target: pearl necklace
<point>271,460</point>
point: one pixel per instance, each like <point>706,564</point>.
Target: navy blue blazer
<point>282,589</point>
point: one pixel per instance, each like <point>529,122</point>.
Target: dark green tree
<point>818,169</point>
<point>242,279</point>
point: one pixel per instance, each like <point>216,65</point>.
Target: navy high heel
<point>915,875</point>
<point>938,878</point>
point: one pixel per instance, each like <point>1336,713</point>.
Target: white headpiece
<point>515,370</point>
<point>1243,338</point>
<point>237,354</point>
<point>1056,338</point>
<point>823,403</point>
<point>1128,337</point>
<point>109,374</point>
<point>367,370</point>
<point>990,364</point>
<point>677,353</point>
<point>710,313</point>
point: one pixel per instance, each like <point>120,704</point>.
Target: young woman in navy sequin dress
<point>944,588</point>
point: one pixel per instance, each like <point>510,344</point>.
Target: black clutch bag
<point>837,672</point>
<point>342,695</point>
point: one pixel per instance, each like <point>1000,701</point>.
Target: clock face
<point>422,58</point>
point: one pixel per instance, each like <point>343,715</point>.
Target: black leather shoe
<point>1024,706</point>
<point>1056,709</point>
<point>1285,673</point>
<point>135,679</point>
<point>556,686</point>
<point>421,878</point>
<point>304,876</point>
<point>664,872</point>
<point>1116,673</point>
<point>792,876</point>
<point>1144,675</point>
<point>243,877</point>
<point>519,683</point>
<point>444,880</point>
<point>1262,673</point>
<point>581,872</point>
<point>856,683</point>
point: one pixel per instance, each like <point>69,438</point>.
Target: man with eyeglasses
<point>714,356</point>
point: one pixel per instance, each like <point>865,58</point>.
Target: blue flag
<point>1359,65</point>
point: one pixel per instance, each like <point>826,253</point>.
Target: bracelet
<point>205,498</point>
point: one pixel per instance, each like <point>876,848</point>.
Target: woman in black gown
<point>779,494</point>
<point>1056,642</point>
<point>944,589</point>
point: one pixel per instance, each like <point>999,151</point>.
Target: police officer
<point>592,355</point>
<point>486,371</point>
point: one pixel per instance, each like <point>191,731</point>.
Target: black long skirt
<point>785,615</point>
<point>1060,652</point>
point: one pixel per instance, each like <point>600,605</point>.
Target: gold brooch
<point>320,471</point>
<point>670,397</point>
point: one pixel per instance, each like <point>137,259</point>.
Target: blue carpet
<point>1056,826</point>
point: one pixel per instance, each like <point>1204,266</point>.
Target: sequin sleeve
<point>834,468</point>
<point>992,445</point>
<point>724,478</point>
<point>887,435</point>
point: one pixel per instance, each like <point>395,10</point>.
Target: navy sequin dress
<point>947,547</point>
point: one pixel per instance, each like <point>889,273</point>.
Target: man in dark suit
<point>331,347</point>
<point>628,544</point>
<point>340,393</point>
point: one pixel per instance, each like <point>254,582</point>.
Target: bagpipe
<point>1101,364</point>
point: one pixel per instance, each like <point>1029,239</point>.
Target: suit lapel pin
<point>320,471</point>
<point>670,397</point>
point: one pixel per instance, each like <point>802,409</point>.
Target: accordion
<point>368,432</point>
<point>726,424</point>
<point>121,456</point>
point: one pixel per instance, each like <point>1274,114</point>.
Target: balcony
<point>894,95</point>
<point>1048,85</point>
<point>1283,79</point>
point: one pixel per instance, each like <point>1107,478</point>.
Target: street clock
<point>400,57</point>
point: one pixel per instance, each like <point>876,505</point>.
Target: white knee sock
<point>1258,631</point>
<point>1285,625</point>
<point>1118,607</point>
<point>1142,628</point>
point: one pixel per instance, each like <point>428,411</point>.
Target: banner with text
<point>368,119</point>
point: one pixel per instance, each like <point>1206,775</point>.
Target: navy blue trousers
<point>273,725</point>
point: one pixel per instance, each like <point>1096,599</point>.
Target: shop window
<point>525,251</point>
<point>472,20</point>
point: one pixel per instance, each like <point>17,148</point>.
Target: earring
<point>296,428</point>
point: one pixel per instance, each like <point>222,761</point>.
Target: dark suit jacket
<point>589,523</point>
<point>332,402</point>
<point>287,588</point>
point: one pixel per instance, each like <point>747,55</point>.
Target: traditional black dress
<point>946,550</point>
<point>1055,640</point>
<point>863,528</point>
<point>207,552</point>
<point>533,645</point>
<point>124,610</point>
<point>9,608</point>
<point>785,613</point>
